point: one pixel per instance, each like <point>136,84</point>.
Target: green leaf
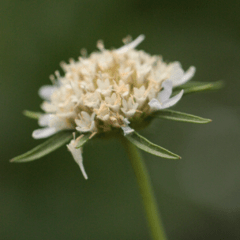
<point>180,116</point>
<point>149,147</point>
<point>45,148</point>
<point>191,87</point>
<point>83,139</point>
<point>34,115</point>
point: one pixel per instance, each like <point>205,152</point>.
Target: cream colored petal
<point>77,156</point>
<point>43,132</point>
<point>128,113</point>
<point>44,120</point>
<point>124,104</point>
<point>46,91</point>
<point>85,116</point>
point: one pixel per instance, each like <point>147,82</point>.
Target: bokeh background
<point>198,196</point>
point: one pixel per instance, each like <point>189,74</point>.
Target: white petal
<point>155,104</point>
<point>176,73</point>
<point>187,76</point>
<point>77,155</point>
<point>165,94</point>
<point>43,132</point>
<point>46,91</point>
<point>172,101</point>
<point>125,120</point>
<point>48,107</point>
<point>44,120</point>
<point>131,45</point>
<point>127,130</point>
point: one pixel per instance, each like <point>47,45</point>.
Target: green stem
<point>146,191</point>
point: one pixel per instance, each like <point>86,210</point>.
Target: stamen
<point>84,52</point>
<point>92,135</point>
<point>127,39</point>
<point>52,79</point>
<point>100,45</point>
<point>57,73</point>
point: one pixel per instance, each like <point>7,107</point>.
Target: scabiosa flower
<point>111,91</point>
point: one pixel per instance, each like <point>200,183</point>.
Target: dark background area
<point>198,196</point>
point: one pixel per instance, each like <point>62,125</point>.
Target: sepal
<point>147,146</point>
<point>31,114</point>
<point>45,148</point>
<point>83,139</point>
<point>180,116</point>
<point>191,87</point>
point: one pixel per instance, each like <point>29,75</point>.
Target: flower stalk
<point>149,201</point>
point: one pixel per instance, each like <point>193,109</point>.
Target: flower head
<point>110,91</point>
<point>97,93</point>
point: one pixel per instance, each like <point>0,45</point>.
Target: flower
<point>111,90</point>
<point>163,99</point>
<point>109,85</point>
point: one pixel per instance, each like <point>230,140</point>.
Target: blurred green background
<point>198,196</point>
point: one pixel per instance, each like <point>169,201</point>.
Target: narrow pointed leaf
<point>207,85</point>
<point>34,115</point>
<point>83,139</point>
<point>45,148</point>
<point>147,146</point>
<point>180,116</point>
<point>191,87</point>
